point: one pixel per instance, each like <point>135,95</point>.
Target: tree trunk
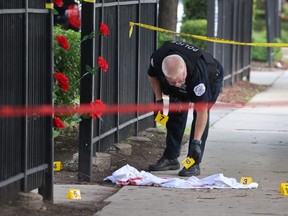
<point>168,14</point>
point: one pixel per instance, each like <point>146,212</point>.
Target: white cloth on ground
<point>128,175</point>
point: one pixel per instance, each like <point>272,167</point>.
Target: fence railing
<point>26,144</point>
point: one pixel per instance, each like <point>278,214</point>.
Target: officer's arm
<point>156,87</point>
<point>201,121</point>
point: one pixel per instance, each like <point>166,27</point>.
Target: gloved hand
<point>160,103</point>
<point>195,151</point>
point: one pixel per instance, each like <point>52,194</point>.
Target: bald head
<point>174,69</point>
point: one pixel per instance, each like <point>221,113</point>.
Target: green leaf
<point>94,70</point>
<point>77,118</point>
<point>88,68</point>
<point>55,12</point>
<point>90,36</point>
<point>56,133</point>
<point>91,70</point>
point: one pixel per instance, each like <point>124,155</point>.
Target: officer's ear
<point>152,62</point>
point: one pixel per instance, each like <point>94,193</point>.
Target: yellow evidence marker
<point>246,180</point>
<point>161,118</point>
<point>73,194</point>
<point>188,162</point>
<point>284,188</point>
<point>57,166</point>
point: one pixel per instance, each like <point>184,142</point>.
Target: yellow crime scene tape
<point>211,39</point>
<point>90,1</point>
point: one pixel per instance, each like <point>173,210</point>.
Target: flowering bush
<point>67,61</point>
<point>67,67</point>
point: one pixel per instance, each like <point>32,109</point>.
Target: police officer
<point>187,74</point>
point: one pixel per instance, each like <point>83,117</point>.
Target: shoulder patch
<point>200,89</point>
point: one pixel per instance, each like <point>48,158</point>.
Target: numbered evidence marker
<point>246,180</point>
<point>188,162</point>
<point>73,194</point>
<point>284,188</point>
<point>57,165</point>
<point>161,118</point>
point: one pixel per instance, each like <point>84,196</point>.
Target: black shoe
<point>191,171</point>
<point>165,164</point>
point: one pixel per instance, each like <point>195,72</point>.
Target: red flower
<point>59,3</point>
<point>99,105</point>
<point>74,15</point>
<point>57,123</point>
<point>62,81</point>
<point>63,42</point>
<point>102,64</point>
<point>104,29</point>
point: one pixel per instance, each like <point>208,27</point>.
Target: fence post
<point>270,29</point>
<point>26,63</point>
<point>86,91</point>
<point>212,23</point>
<point>47,190</point>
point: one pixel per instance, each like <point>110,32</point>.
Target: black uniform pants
<point>177,123</point>
<point>175,131</point>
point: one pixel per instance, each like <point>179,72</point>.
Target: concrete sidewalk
<point>250,141</point>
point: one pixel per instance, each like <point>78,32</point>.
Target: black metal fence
<point>26,143</point>
<point>273,24</point>
<point>231,20</point>
<point>126,81</point>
